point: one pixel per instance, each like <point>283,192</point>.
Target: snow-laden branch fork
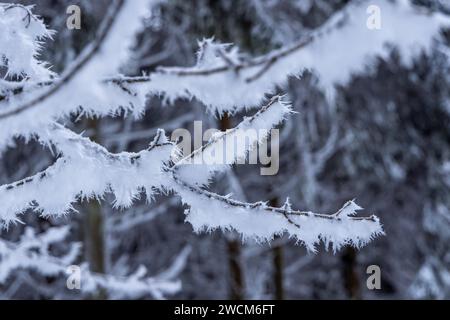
<point>91,86</point>
<point>93,171</point>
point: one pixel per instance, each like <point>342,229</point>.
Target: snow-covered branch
<point>93,171</point>
<point>209,211</point>
<point>231,146</point>
<point>76,67</point>
<point>138,284</point>
<point>249,80</point>
<point>32,252</point>
<point>21,36</point>
<point>25,114</point>
<point>85,170</point>
<point>324,51</point>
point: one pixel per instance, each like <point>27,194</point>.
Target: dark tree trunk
<point>237,283</point>
<point>278,272</point>
<point>278,265</point>
<point>94,233</point>
<point>237,289</point>
<point>94,237</point>
<point>350,273</point>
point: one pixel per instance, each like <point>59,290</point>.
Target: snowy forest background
<point>381,137</point>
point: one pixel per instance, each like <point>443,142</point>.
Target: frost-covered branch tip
<point>209,211</point>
